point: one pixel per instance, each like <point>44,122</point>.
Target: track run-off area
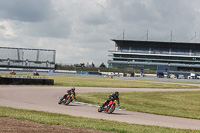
<point>46,99</point>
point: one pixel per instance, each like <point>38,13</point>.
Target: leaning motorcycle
<point>108,108</point>
<point>66,100</point>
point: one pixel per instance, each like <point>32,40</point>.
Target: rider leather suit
<point>69,92</point>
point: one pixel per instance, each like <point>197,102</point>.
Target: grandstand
<point>27,58</point>
<point>179,56</point>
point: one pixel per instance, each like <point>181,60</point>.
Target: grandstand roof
<point>157,43</point>
<point>26,49</point>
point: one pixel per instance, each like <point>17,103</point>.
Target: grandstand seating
<point>136,54</point>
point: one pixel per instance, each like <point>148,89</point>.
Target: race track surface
<point>45,99</point>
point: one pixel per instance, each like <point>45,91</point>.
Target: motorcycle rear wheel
<point>111,109</point>
<point>67,102</point>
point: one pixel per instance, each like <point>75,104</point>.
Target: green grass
<point>98,124</point>
<point>117,83</point>
<point>79,81</point>
<point>182,104</point>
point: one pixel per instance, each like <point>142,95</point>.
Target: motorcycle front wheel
<point>59,102</point>
<point>100,109</point>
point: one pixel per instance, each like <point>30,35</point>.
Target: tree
<point>102,65</point>
<point>93,64</point>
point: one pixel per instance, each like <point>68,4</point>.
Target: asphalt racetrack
<point>45,99</point>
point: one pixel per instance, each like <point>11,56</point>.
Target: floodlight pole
<point>22,57</point>
<point>123,34</point>
<point>171,37</point>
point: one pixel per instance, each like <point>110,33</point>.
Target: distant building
<point>179,56</point>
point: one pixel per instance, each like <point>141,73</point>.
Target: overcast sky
<point>81,30</point>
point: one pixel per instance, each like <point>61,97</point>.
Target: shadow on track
<point>72,105</point>
<point>117,114</point>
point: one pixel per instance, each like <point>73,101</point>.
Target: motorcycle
<point>108,108</point>
<point>36,74</point>
<point>66,100</point>
<point>13,73</point>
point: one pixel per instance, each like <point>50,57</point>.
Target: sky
<point>81,30</point>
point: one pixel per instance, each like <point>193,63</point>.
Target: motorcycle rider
<point>69,92</point>
<point>112,97</point>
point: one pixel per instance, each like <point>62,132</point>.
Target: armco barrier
<point>25,81</point>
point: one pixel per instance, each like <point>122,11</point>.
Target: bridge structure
<point>27,58</point>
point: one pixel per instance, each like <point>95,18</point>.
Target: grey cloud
<point>95,17</point>
<point>80,30</point>
<point>157,16</point>
<point>55,28</point>
<point>2,27</point>
<point>25,10</point>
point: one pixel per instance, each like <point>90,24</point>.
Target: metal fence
<point>28,58</point>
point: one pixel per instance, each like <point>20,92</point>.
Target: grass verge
<point>71,121</point>
<point>80,81</point>
<point>181,104</point>
<point>116,83</point>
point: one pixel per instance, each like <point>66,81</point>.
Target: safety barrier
<point>24,80</point>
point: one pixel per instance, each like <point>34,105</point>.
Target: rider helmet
<point>73,89</point>
<point>117,93</point>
